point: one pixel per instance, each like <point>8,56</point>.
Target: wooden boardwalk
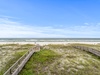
<point>91,50</point>
<point>19,64</point>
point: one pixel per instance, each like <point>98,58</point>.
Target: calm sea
<point>50,39</point>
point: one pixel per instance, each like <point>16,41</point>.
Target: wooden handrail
<point>19,64</point>
<point>91,50</point>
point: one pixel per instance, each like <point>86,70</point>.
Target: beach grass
<point>94,46</point>
<point>62,60</point>
<point>9,63</point>
<point>39,62</point>
<point>10,53</point>
<point>52,59</point>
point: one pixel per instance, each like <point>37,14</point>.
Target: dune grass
<point>10,53</point>
<point>39,62</point>
<point>94,46</point>
<point>9,63</point>
<point>62,60</point>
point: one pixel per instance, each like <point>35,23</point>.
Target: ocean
<point>49,39</point>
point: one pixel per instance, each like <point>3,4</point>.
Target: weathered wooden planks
<point>91,50</point>
<point>19,64</point>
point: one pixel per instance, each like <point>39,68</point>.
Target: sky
<point>49,18</point>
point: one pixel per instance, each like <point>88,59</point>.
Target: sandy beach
<point>46,43</point>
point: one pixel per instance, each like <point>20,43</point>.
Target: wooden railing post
<point>19,64</point>
<point>91,50</point>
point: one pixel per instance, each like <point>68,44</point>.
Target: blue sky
<point>49,18</point>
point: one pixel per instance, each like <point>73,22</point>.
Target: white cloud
<point>9,28</point>
<point>98,24</point>
<point>86,23</point>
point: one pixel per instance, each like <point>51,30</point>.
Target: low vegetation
<point>94,46</point>
<point>39,62</point>
<point>62,60</point>
<point>10,53</point>
<point>9,63</point>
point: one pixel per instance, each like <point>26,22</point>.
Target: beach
<point>46,43</point>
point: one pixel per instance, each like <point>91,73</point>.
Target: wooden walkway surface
<point>91,50</point>
<point>19,64</point>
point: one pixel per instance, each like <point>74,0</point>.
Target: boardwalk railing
<point>91,50</point>
<point>19,64</point>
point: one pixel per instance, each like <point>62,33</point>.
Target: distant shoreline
<point>46,43</point>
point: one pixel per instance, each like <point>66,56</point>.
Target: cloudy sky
<point>49,18</point>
